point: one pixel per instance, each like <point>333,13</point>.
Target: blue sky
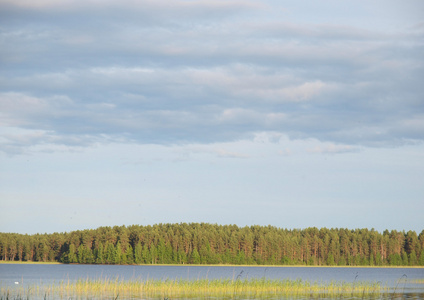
<point>287,113</point>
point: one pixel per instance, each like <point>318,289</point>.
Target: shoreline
<point>206,265</point>
<point>9,262</point>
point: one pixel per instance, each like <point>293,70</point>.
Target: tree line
<point>202,243</point>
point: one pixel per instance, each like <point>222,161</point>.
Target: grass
<point>202,288</point>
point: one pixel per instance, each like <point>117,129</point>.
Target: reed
<point>200,289</point>
<point>418,280</point>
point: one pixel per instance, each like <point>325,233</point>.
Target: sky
<point>293,114</point>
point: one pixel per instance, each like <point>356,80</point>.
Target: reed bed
<point>419,280</point>
<point>199,289</point>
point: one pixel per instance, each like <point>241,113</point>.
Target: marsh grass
<point>201,288</point>
<point>419,280</point>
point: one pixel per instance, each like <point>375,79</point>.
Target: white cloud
<point>333,149</point>
<point>15,108</point>
<point>239,115</point>
<point>305,91</point>
<point>225,153</point>
<point>232,102</point>
<point>143,72</point>
<point>158,7</point>
<point>297,93</point>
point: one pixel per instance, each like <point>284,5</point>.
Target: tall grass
<point>201,288</point>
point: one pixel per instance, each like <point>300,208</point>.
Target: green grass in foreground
<point>202,288</point>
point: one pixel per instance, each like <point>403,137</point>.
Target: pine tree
<point>330,260</point>
<point>99,254</point>
<point>146,256</point>
<point>195,257</point>
<point>405,260</point>
<point>153,254</point>
<point>130,254</point>
<point>118,254</point>
<point>421,259</point>
<point>110,253</point>
<point>138,256</point>
<point>413,258</point>
<point>72,257</point>
<point>80,254</point>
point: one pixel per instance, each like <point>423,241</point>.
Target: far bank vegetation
<point>201,243</point>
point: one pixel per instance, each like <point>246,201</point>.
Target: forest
<point>202,243</point>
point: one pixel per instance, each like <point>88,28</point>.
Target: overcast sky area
<point>294,114</point>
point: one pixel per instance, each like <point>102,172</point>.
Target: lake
<point>404,283</point>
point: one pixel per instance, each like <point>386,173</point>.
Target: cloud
<point>205,72</point>
<point>297,93</point>
<point>333,149</point>
<point>14,140</point>
<point>109,11</point>
<point>225,153</point>
<point>202,4</point>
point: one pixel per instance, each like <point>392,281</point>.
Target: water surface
<point>402,281</point>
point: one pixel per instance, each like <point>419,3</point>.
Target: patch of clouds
<point>144,12</point>
<point>410,129</point>
<point>285,152</point>
<point>239,116</point>
<point>333,149</point>
<point>26,141</point>
<point>298,93</point>
<point>202,4</point>
<point>175,77</point>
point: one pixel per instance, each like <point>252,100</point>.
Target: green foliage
<point>216,244</point>
<point>395,259</point>
<point>413,261</point>
<point>146,257</point>
<point>405,260</point>
<point>421,260</point>
<point>72,256</point>
<point>99,254</point>
<point>330,260</point>
<point>129,254</point>
<point>342,261</point>
<point>110,253</point>
<point>195,257</point>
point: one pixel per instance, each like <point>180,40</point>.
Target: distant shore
<point>30,262</point>
<point>200,265</point>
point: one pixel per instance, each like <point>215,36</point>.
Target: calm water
<point>27,275</point>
